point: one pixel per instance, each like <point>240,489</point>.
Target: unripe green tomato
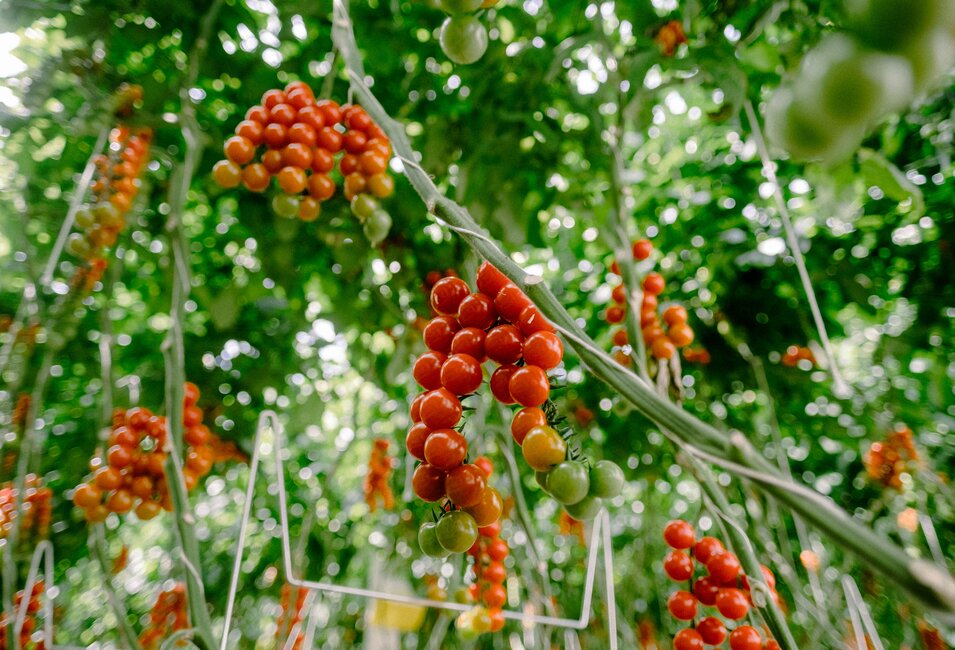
<point>456,531</point>
<point>569,482</point>
<point>285,205</point>
<point>481,622</point>
<point>460,6</point>
<point>463,39</point>
<point>461,596</point>
<point>363,206</point>
<point>85,219</point>
<point>585,509</point>
<point>852,85</point>
<point>428,540</point>
<point>930,57</point>
<point>893,24</point>
<point>606,479</point>
<point>541,478</point>
<point>78,245</point>
<point>377,226</point>
<point>805,133</point>
<point>107,215</point>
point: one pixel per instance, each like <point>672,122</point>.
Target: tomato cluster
<point>887,460</point>
<point>167,615</point>
<point>661,344</point>
<point>29,623</point>
<point>291,614</point>
<point>132,476</point>
<point>300,138</point>
<point>488,554</point>
<point>376,481</point>
<point>37,508</point>
<point>724,586</point>
<point>463,36</point>
<point>114,187</point>
<point>669,37</point>
<point>892,52</point>
<point>796,353</point>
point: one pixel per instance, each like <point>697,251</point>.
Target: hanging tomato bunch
<point>115,185</point>
<point>29,623</point>
<point>661,344</point>
<point>131,477</point>
<point>376,481</point>
<point>291,614</point>
<point>37,508</point>
<point>724,586</point>
<point>168,615</point>
<point>887,460</point>
<point>488,554</point>
<point>301,139</point>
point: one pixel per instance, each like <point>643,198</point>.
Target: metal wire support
<point>600,536</point>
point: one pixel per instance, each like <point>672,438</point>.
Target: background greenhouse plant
<point>581,128</point>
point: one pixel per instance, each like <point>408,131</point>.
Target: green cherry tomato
<point>78,245</point>
<point>805,133</point>
<point>85,219</point>
<point>568,482</point>
<point>460,6</point>
<point>541,478</point>
<point>377,226</point>
<point>285,205</point>
<point>463,39</point>
<point>456,531</point>
<point>363,206</point>
<point>606,479</point>
<point>428,540</point>
<point>585,509</point>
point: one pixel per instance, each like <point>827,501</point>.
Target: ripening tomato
<point>688,639</point>
<point>674,314</point>
<point>490,280</point>
<point>445,449</point>
<point>510,302</point>
<point>642,249</point>
<point>348,164</point>
<point>495,573</point>
<point>543,349</point>
<point>359,119</point>
<point>525,420</point>
<point>428,483</point>
<point>372,162</point>
<point>681,335</point>
<point>330,139</point>
<point>331,111</point>
<point>323,161</point>
<point>256,177</point>
<point>297,154</point>
<point>705,590</point>
<point>118,456</point>
<point>494,596</point>
<point>427,369</point>
<point>309,208</point>
<point>440,409</point>
<point>461,374</point>
<point>732,603</point>
<point>142,487</point>
<point>619,294</point>
<point>653,283</point>
<point>416,407</point>
<point>354,143</point>
<point>504,344</point>
<point>501,383</point>
<point>682,605</point>
<point>381,185</point>
<point>292,180</point>
<point>447,295</point>
<point>273,160</point>
<point>148,509</point>
<point>706,548</point>
<point>615,314</point>
<point>543,448</point>
<point>251,130</point>
<point>300,97</point>
<point>465,485</point>
<point>485,465</point>
<point>487,511</point>
<point>723,567</point>
<point>712,630</point>
<point>96,514</point>
<point>238,149</point>
<point>679,534</point>
<point>497,550</point>
<point>416,438</point>
<point>620,338</point>
<point>258,114</point>
<point>440,332</point>
<point>120,501</point>
<point>678,565</point>
<point>663,348</point>
<point>273,97</point>
<point>321,186</point>
<point>275,136</point>
<point>227,174</point>
<point>529,386</point>
<point>477,310</point>
<point>469,340</point>
<point>283,114</point>
<point>354,185</point>
<point>531,320</point>
<point>87,495</point>
<point>745,637</point>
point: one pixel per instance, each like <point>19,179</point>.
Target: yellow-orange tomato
<point>256,177</point>
<point>238,149</point>
<point>381,185</point>
<point>321,186</point>
<point>292,180</point>
<point>309,208</point>
<point>354,184</point>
